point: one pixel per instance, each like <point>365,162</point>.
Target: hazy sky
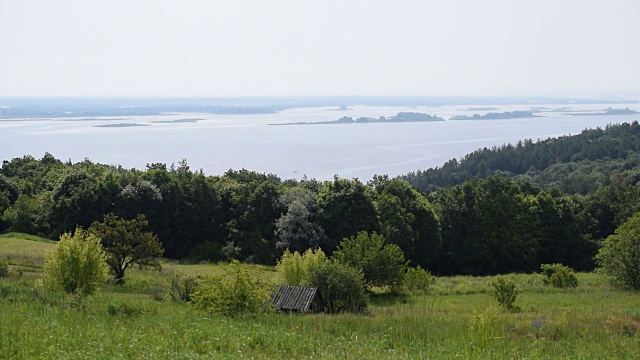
<point>319,47</point>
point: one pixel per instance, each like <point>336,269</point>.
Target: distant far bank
<point>401,117</point>
<point>65,107</point>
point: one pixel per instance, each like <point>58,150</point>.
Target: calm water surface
<point>221,142</point>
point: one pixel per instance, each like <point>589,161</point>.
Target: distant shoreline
<point>498,116</point>
<point>607,112</point>
<point>121,125</point>
<point>401,117</point>
<point>194,120</point>
<point>60,107</point>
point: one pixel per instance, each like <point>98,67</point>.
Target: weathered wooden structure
<point>297,298</point>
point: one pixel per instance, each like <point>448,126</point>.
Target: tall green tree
<point>408,220</point>
<point>8,192</point>
<point>345,208</point>
<point>76,202</point>
<point>252,199</point>
<point>488,227</point>
<point>186,215</point>
<point>139,197</point>
<point>298,229</point>
<point>29,214</point>
<point>127,244</point>
<point>559,230</point>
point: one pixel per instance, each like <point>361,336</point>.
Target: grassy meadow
<point>458,319</point>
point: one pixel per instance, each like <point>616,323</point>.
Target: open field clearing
<point>458,319</point>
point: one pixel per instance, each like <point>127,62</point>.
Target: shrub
<point>291,269</point>
<point>237,292</point>
<point>418,280</point>
<point>505,292</point>
<point>4,268</point>
<point>76,264</point>
<point>295,268</point>
<point>157,292</point>
<point>564,278</point>
<point>382,264</point>
<point>619,257</point>
<point>183,287</point>
<point>341,287</point>
<point>559,276</point>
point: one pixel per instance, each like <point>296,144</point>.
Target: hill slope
<point>575,164</point>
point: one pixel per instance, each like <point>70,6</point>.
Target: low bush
<point>558,275</point>
<point>418,280</point>
<point>505,292</point>
<point>295,268</point>
<point>382,264</point>
<point>76,264</point>
<point>341,287</point>
<point>157,292</point>
<point>237,292</point>
<point>183,287</point>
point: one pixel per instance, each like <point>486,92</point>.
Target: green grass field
<point>458,319</point>
<point>25,253</point>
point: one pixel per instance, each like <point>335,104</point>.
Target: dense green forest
<point>574,164</point>
<point>500,210</point>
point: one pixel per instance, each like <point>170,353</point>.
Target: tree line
<point>482,225</point>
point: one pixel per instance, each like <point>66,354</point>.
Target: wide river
<point>216,143</point>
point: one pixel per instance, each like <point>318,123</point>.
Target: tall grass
<point>24,253</point>
<point>458,319</point>
<point>464,326</point>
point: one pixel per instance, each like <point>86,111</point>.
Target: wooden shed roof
<point>288,297</point>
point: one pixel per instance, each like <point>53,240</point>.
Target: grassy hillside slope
<point>459,319</point>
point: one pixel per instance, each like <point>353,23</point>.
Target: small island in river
<point>608,111</point>
<point>497,116</point>
<point>194,120</point>
<point>121,125</point>
<point>400,117</point>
